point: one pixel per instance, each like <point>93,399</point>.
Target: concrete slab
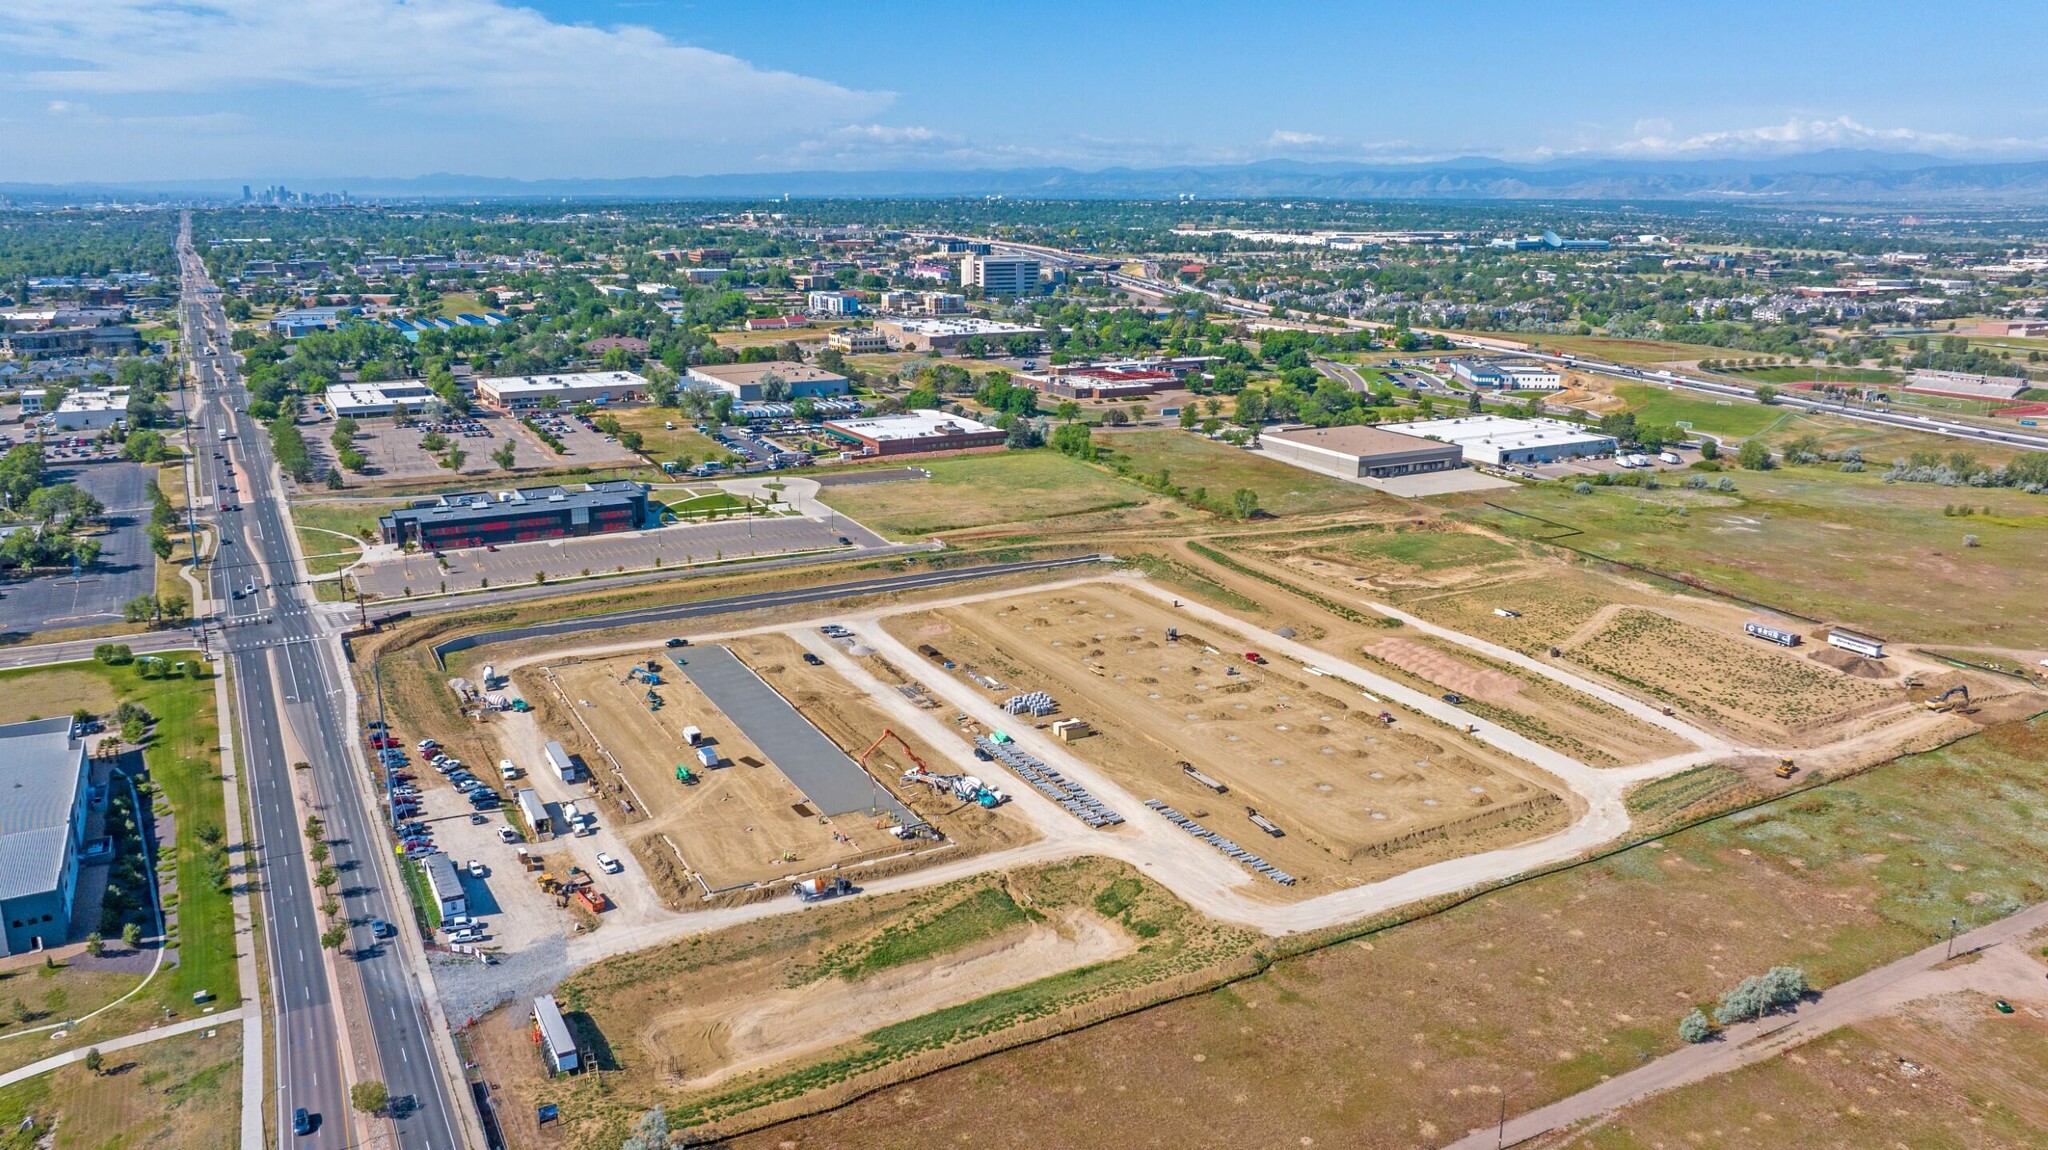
<point>833,782</point>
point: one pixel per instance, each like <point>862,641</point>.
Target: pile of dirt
<point>1850,663</point>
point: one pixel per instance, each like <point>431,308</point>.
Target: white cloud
<point>1282,138</point>
<point>379,78</point>
<point>1658,138</point>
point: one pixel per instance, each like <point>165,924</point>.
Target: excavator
<point>1941,704</point>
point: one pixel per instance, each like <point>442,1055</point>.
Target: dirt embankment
<point>711,1040</point>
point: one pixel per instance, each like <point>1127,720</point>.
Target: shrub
<point>1694,1027</point>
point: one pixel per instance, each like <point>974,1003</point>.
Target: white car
<point>507,835</point>
<point>476,868</point>
<point>608,864</point>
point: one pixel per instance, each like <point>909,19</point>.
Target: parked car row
<point>415,836</point>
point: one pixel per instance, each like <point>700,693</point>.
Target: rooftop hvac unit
<point>557,497</point>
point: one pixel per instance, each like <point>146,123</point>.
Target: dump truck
<point>820,889</point>
<point>594,899</point>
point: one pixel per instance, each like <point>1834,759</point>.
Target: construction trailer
<point>552,1034</point>
<point>1770,634</point>
<point>445,884</point>
<point>692,736</point>
<point>708,756</point>
<point>535,813</point>
<point>1852,642</point>
<point>558,759</point>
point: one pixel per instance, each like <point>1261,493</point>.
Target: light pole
<point>1952,924</point>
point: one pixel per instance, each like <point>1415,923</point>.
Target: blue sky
<point>261,89</point>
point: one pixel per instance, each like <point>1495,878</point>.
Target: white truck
<point>509,770</point>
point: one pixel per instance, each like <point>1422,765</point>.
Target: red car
<point>1254,657</point>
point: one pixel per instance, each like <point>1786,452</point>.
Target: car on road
<point>303,1122</point>
<point>677,643</point>
<point>813,660</point>
<point>382,929</point>
<point>608,864</point>
<point>1454,700</point>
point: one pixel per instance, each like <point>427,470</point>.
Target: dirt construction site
<point>744,821</point>
<point>1179,712</point>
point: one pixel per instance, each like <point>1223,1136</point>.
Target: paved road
<point>124,569</point>
<point>2003,970</point>
<point>705,607</point>
<point>291,701</point>
<point>476,567</point>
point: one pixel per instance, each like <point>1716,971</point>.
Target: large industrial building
<point>1000,275</point>
<point>944,335</point>
<point>513,392</point>
<point>478,518</point>
<point>42,831</point>
<point>747,382</point>
<point>1357,452</point>
<point>915,432</point>
<point>1496,439</point>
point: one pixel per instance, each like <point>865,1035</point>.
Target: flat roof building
<point>479,518</point>
<point>748,382</point>
<point>945,335</point>
<point>42,831</point>
<point>91,409</point>
<point>1000,275</point>
<point>916,432</point>
<point>1358,452</point>
<point>1495,439</point>
<point>857,341</point>
<point>832,303</point>
<point>1506,376</point>
<point>358,400</point>
<point>568,388</point>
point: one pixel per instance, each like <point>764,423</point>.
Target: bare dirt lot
<point>726,1031</point>
<point>1358,800</point>
<point>745,822</point>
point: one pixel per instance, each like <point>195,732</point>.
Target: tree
<point>325,878</point>
<point>1072,439</point>
<point>131,936</point>
<point>1245,502</point>
<point>774,388</point>
<point>333,937</point>
<point>455,458</point>
<point>94,1060</point>
<point>369,1097</point>
<point>1189,418</point>
<point>1755,455</point>
<point>1766,394</point>
<point>94,944</point>
<point>1709,449</point>
<point>141,609</point>
<point>1067,411</point>
<point>1694,1027</point>
<point>504,456</point>
<point>1115,417</point>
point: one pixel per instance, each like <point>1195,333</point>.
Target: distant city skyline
<point>128,90</point>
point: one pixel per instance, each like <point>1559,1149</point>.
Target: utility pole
<point>1951,939</point>
<point>1500,1136</point>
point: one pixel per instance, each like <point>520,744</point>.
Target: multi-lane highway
<point>291,703</point>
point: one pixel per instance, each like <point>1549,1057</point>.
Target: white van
<point>509,769</point>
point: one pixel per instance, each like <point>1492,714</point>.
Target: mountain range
<point>1846,177</point>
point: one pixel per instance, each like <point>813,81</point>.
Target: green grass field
<point>980,490</point>
<point>1841,547</point>
<point>1824,373</point>
<point>353,519</point>
<point>1193,461</point>
<point>1735,417</point>
<point>461,303</point>
<point>184,763</point>
<point>182,1093</point>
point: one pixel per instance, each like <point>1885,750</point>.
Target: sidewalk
<point>1859,999</point>
<point>126,1041</point>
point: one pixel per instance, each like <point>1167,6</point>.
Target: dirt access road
<point>2002,970</point>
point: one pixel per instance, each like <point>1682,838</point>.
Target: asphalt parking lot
<point>514,564</point>
<point>125,569</point>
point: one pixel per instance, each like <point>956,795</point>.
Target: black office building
<point>477,518</point>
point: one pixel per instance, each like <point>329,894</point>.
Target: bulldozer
<point>1940,704</point>
<point>1785,769</point>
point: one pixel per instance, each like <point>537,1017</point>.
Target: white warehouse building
<point>1495,439</point>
